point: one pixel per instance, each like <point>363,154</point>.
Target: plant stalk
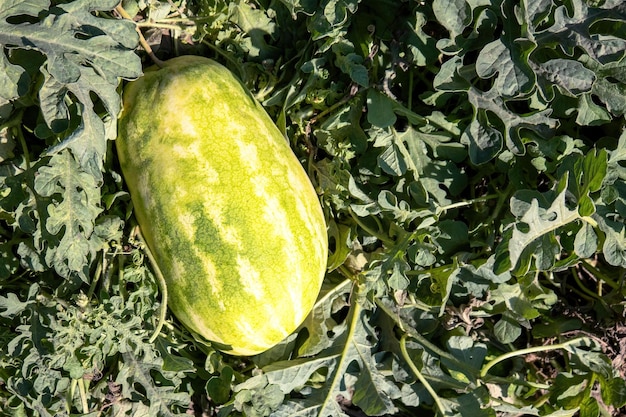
<point>527,351</point>
<point>122,12</point>
<point>161,282</point>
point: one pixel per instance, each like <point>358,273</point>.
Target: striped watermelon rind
<point>224,205</point>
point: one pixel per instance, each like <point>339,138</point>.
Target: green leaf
<point>485,142</point>
<point>136,377</point>
<point>536,219</point>
<point>589,113</point>
<point>570,32</point>
<point>322,328</point>
<point>352,64</point>
<point>14,79</point>
<point>613,391</point>
<point>257,25</point>
<point>609,86</point>
<point>71,220</point>
<point>420,44</point>
<point>373,392</point>
<point>569,391</point>
<point>589,408</point>
<point>392,161</point>
<point>515,77</point>
<point>448,77</point>
<point>586,241</point>
<point>380,109</point>
<point>454,15</point>
<point>614,247</point>
<point>85,53</point>
<point>219,387</point>
<point>300,6</point>
<point>348,371</point>
<point>507,329</point>
<point>570,75</point>
<point>13,306</point>
<point>536,11</point>
<point>465,349</point>
<point>490,101</point>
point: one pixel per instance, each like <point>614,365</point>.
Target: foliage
<point>470,156</point>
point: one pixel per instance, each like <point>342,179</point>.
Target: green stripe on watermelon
<point>223,203</point>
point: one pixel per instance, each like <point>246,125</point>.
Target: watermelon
<point>224,205</point>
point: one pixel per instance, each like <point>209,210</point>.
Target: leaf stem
<point>526,351</point>
<point>97,274</point>
<point>409,103</point>
<point>371,232</point>
<point>331,109</point>
<point>427,344</point>
<point>442,408</point>
<point>593,296</point>
<point>20,136</point>
<point>142,40</point>
<point>227,57</point>
<point>355,312</point>
<point>597,273</point>
<point>500,204</point>
<point>156,25</point>
<point>466,203</point>
<point>83,395</point>
<point>590,220</point>
<point>161,282</point>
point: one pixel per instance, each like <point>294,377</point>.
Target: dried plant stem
<point>142,40</point>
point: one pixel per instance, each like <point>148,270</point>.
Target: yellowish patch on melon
<point>193,153</point>
<point>295,295</point>
<point>252,336</point>
<point>276,321</point>
<point>214,207</point>
<point>250,278</point>
<point>198,321</point>
<point>249,156</point>
<point>186,222</point>
<point>187,125</point>
<point>174,105</point>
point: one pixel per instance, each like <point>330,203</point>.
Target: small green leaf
<point>535,221</point>
<point>13,79</point>
<point>570,31</point>
<point>569,391</point>
<point>613,391</point>
<point>380,109</point>
<point>454,15</point>
<point>507,329</point>
<point>398,279</point>
<point>448,77</point>
<point>352,65</point>
<point>614,247</point>
<point>589,113</point>
<point>219,387</point>
<point>392,161</point>
<point>586,241</point>
<point>589,408</point>
<point>515,78</point>
<point>568,74</point>
<point>485,142</point>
